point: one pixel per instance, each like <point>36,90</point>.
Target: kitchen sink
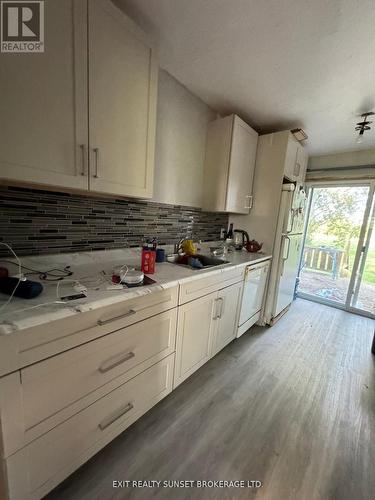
<point>205,260</point>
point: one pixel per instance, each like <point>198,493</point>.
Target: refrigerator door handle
<point>287,255</point>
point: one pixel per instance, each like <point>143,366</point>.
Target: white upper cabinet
<point>301,163</point>
<point>229,165</point>
<point>82,114</point>
<point>295,160</point>
<point>43,105</point>
<point>122,103</point>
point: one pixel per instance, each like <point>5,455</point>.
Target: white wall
<point>180,143</point>
<point>346,159</point>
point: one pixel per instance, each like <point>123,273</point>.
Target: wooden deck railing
<point>327,259</point>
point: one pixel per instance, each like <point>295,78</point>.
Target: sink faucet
<point>177,245</point>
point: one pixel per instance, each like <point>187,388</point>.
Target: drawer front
<point>56,383</point>
<point>45,462</point>
<point>209,283</point>
<point>47,340</point>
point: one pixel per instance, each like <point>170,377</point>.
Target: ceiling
<point>277,63</point>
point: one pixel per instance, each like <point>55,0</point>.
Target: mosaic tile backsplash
<point>34,222</point>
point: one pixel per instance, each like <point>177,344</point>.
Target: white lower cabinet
<point>196,324</point>
<point>205,326</point>
<point>229,301</point>
<point>44,463</point>
<point>62,405</point>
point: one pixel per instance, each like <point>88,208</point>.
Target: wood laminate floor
<point>292,406</point>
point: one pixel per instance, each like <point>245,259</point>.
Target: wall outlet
<point>222,233</point>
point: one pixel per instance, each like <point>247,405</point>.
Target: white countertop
<point>21,314</point>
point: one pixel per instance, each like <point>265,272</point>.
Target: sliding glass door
<point>362,295</point>
<point>338,258</point>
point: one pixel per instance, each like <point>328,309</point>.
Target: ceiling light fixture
<point>363,126</point>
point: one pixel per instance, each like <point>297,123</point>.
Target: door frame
<point>361,248</point>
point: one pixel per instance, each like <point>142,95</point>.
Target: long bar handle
<point>221,307</point>
<point>287,255</point>
<point>102,322</point>
<point>118,414</point>
<point>218,315</point>
<point>115,361</point>
<point>83,158</point>
<point>96,152</point>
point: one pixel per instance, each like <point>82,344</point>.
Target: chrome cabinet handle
<point>102,322</point>
<point>221,307</point>
<point>83,158</point>
<point>115,361</point>
<point>119,413</point>
<point>218,315</point>
<point>96,151</point>
<point>250,198</point>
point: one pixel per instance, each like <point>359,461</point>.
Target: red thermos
<point>148,261</point>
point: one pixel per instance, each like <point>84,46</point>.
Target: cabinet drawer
<point>56,383</point>
<point>41,465</point>
<point>43,341</point>
<point>209,283</point>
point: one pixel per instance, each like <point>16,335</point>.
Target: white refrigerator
<point>286,252</point>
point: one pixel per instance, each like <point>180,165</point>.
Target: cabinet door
<point>301,164</point>
<point>43,105</point>
<point>196,324</point>
<point>229,301</point>
<point>241,167</point>
<point>122,102</point>
<point>291,158</point>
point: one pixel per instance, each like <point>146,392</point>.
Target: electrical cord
<point>54,274</point>
<point>19,274</point>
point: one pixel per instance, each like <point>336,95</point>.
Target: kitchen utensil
<point>241,239</point>
<point>133,277</point>
<point>253,246</point>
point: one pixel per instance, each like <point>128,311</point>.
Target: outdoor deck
<point>325,286</point>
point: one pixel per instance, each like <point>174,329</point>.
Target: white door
<point>241,168</point>
<point>196,323</point>
<point>122,96</point>
<point>301,164</point>
<point>288,270</point>
<point>291,158</point>
<point>228,309</point>
<point>43,105</point>
<point>253,292</point>
<point>286,208</point>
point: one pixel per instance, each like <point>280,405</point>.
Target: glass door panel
<point>334,226</point>
<point>363,296</point>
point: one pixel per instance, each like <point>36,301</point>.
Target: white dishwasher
<point>252,295</point>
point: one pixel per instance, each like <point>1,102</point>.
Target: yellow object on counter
<point>188,247</point>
